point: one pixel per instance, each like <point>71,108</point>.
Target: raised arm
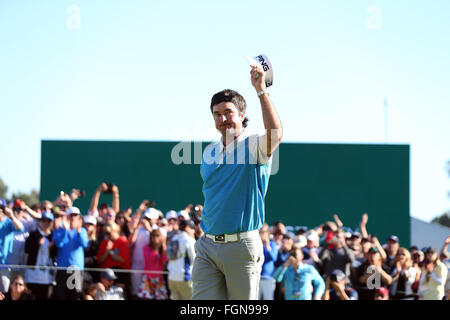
<point>274,132</point>
<point>362,226</point>
<point>16,222</point>
<point>115,201</point>
<point>445,245</point>
<point>96,197</point>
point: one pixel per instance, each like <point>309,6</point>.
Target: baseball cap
<point>383,291</point>
<point>312,235</point>
<point>73,210</point>
<point>301,240</point>
<point>151,213</point>
<point>373,250</point>
<point>393,238</point>
<point>47,215</point>
<point>430,250</point>
<point>108,274</point>
<point>171,214</point>
<point>184,214</point>
<point>18,203</point>
<point>337,275</point>
<point>355,235</point>
<point>90,219</point>
<point>3,202</point>
<point>187,223</point>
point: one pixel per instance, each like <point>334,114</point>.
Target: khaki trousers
<point>230,270</point>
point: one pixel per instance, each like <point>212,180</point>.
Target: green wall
<point>312,182</point>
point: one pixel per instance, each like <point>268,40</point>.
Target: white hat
<point>301,240</point>
<point>171,214</point>
<point>151,213</point>
<point>312,235</point>
<point>90,219</point>
<point>264,62</point>
<point>73,210</point>
<point>184,214</point>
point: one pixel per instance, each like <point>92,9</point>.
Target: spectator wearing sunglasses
<point>17,290</point>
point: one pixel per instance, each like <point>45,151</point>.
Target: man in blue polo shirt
<point>8,225</point>
<point>235,173</point>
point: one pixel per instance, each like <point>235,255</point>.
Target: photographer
<point>337,289</point>
<point>8,225</point>
<point>71,239</point>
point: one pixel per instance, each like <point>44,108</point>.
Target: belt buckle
<point>219,238</point>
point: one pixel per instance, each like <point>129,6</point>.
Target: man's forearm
<point>115,202</point>
<point>272,123</point>
<point>94,201</point>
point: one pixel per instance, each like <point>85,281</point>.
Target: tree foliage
<point>443,219</point>
<point>30,198</point>
<point>3,189</point>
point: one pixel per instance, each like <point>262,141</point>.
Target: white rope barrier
<point>71,268</point>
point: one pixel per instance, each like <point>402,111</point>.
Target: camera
<point>110,186</point>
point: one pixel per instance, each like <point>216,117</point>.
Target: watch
<point>260,93</point>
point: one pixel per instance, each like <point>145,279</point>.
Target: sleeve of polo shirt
<point>255,142</point>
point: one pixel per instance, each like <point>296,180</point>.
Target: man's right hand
<point>102,187</point>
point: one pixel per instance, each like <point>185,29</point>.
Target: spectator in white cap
<point>139,239</point>
<point>183,215</point>
<point>90,253</point>
<point>172,224</point>
<point>71,239</point>
<point>312,248</point>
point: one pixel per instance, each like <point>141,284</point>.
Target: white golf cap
<point>73,210</point>
<point>171,214</point>
<point>151,213</point>
<point>264,62</point>
<point>301,240</point>
<point>90,219</point>
<point>312,235</point>
<point>183,214</point>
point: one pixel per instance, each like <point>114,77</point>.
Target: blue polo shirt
<point>235,181</point>
<point>7,230</point>
<point>71,245</point>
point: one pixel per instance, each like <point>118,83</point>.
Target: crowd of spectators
<point>54,251</point>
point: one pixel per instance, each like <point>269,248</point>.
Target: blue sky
<point>146,70</point>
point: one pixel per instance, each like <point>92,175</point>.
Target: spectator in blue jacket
<point>267,282</point>
<point>302,281</point>
<point>71,239</point>
<point>283,255</point>
<point>8,225</point>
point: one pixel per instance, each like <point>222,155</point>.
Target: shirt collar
<point>232,145</point>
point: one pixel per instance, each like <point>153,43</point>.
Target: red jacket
<point>122,246</point>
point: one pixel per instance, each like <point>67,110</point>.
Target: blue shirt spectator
<point>70,244</point>
<point>270,256</point>
<point>301,281</point>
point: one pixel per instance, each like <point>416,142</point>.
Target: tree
<point>3,189</point>
<point>443,219</point>
<point>30,199</point>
